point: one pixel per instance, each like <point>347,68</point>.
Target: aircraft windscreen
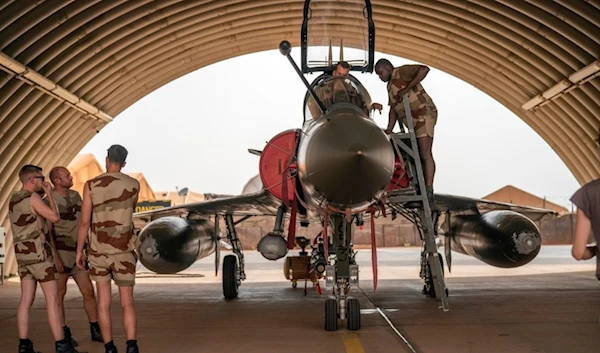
<point>331,90</point>
<point>337,31</point>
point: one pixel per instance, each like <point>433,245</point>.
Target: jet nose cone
<point>349,159</point>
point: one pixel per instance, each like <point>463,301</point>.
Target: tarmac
<point>549,305</point>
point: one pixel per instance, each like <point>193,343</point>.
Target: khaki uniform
<point>65,230</point>
<point>111,249</point>
<point>34,257</point>
<point>422,109</point>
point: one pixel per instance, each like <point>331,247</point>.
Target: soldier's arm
<point>583,226</point>
<point>49,212</point>
<point>137,195</point>
<point>419,76</point>
<point>84,221</point>
<point>57,260</point>
<point>392,118</point>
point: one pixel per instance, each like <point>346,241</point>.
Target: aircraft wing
<point>467,205</point>
<point>462,204</point>
<point>260,203</point>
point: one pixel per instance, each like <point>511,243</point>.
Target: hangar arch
<point>67,68</point>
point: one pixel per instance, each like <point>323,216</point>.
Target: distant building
<point>176,199</point>
<point>85,167</point>
<point>517,196</point>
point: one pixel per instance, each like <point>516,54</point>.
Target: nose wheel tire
<point>331,315</point>
<point>353,315</point>
<point>230,277</point>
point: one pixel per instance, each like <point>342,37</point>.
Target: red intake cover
<point>273,161</point>
<point>399,178</point>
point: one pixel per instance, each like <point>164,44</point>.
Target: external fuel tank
<point>172,244</point>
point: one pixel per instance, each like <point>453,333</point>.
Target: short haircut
<point>117,154</point>
<point>27,171</point>
<point>55,173</point>
<point>343,64</point>
<point>383,62</point>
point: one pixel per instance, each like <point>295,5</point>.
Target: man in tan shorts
<point>64,243</point>
<point>34,256</point>
<point>107,211</point>
<point>403,80</point>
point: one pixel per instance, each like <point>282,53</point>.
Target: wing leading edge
<point>260,203</point>
<point>462,204</point>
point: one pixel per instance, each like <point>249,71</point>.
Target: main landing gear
<point>233,265</point>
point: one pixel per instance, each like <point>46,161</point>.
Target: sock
<point>24,342</point>
<point>109,345</point>
<point>63,341</point>
<point>131,343</point>
<point>94,324</point>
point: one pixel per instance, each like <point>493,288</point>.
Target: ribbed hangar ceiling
<point>67,67</point>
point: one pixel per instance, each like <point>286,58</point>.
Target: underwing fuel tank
<point>499,238</point>
<point>172,244</point>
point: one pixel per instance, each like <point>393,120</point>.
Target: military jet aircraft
<point>338,169</point>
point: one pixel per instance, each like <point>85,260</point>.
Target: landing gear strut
<point>233,265</point>
<point>342,275</point>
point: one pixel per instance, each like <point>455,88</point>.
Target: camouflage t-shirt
<point>113,198</point>
<point>340,90</point>
<point>587,199</point>
<point>418,99</point>
<point>29,248</point>
<point>65,230</point>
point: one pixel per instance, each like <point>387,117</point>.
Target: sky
<point>195,131</point>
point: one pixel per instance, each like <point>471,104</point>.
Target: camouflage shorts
<point>42,271</point>
<point>68,259</point>
<point>424,121</point>
<point>119,267</point>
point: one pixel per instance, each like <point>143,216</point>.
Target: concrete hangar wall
<point>68,67</point>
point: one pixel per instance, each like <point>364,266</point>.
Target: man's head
<point>384,69</point>
<point>341,69</point>
<point>32,178</point>
<point>115,159</point>
<point>61,177</point>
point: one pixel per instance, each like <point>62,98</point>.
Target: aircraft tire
<point>230,269</point>
<point>331,315</point>
<point>353,314</point>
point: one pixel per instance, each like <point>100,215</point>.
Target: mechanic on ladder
<point>406,79</point>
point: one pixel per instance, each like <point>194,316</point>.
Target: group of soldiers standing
<point>62,235</point>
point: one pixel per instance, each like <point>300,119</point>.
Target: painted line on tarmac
<point>412,349</point>
<point>352,343</point>
<point>378,309</point>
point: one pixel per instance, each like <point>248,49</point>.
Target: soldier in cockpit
<point>340,88</point>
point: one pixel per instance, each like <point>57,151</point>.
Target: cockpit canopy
<point>332,90</point>
<point>335,31</point>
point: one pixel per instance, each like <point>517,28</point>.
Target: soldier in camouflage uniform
<point>108,203</point>
<point>403,80</point>
<point>34,256</point>
<point>64,243</point>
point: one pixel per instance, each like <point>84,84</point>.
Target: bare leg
<point>27,297</point>
<point>425,144</point>
<point>87,291</point>
<point>50,289</point>
<point>129,317</point>
<point>104,299</point>
<point>62,291</point>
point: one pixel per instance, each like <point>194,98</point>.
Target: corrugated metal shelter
<point>68,67</point>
